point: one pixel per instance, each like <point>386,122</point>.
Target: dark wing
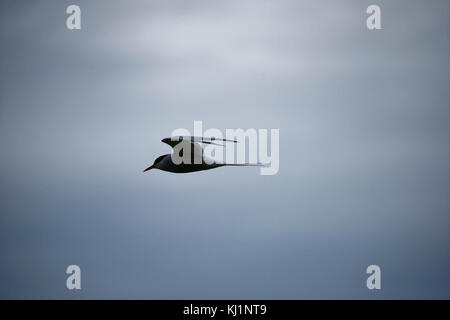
<point>173,141</point>
<point>191,144</point>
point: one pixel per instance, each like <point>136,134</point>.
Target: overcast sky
<point>364,149</point>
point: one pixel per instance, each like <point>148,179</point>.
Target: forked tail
<point>244,164</point>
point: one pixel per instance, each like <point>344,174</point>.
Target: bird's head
<point>156,164</point>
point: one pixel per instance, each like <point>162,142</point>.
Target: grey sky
<point>364,175</point>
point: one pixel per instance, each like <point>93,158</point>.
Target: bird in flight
<point>198,161</point>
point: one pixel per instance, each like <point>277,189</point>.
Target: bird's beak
<point>151,167</point>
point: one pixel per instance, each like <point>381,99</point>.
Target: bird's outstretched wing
<point>191,145</point>
<point>173,141</point>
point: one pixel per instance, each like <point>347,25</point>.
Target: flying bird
<point>198,161</point>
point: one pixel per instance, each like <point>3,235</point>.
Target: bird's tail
<point>244,164</point>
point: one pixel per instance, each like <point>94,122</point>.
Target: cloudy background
<point>364,149</point>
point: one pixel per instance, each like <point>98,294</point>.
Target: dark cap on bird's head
<point>155,163</point>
